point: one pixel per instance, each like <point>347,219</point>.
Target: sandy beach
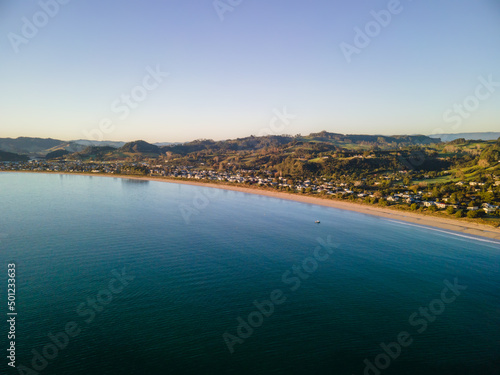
<point>409,217</point>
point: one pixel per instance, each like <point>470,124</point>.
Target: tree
<point>450,210</point>
<point>475,214</point>
<point>487,197</point>
<point>414,207</point>
<point>435,192</point>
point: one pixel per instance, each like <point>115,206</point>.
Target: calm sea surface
<point>162,278</point>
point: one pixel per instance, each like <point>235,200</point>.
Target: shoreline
<point>474,229</point>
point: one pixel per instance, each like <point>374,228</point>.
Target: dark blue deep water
<point>162,278</point>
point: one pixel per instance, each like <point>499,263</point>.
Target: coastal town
<point>471,199</point>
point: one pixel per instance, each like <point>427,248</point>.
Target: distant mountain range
<point>41,147</point>
<point>115,144</point>
<point>84,142</point>
<point>24,147</point>
<point>487,136</point>
<point>28,146</point>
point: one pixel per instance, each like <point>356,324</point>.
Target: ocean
<point>120,276</point>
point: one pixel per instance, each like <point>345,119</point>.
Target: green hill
<point>56,154</point>
<point>92,153</point>
<point>10,156</point>
<point>140,147</point>
<point>29,146</point>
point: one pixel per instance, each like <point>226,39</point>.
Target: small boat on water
<point>317,221</point>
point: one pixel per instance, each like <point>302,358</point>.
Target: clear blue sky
<point>228,77</point>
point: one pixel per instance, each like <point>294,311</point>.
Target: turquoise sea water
<point>155,278</point>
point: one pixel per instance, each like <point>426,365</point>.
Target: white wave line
<point>445,231</point>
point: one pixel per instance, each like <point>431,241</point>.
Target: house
<point>429,203</point>
<point>487,205</point>
<point>440,205</point>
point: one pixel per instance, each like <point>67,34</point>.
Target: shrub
<point>459,213</point>
<point>450,210</point>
